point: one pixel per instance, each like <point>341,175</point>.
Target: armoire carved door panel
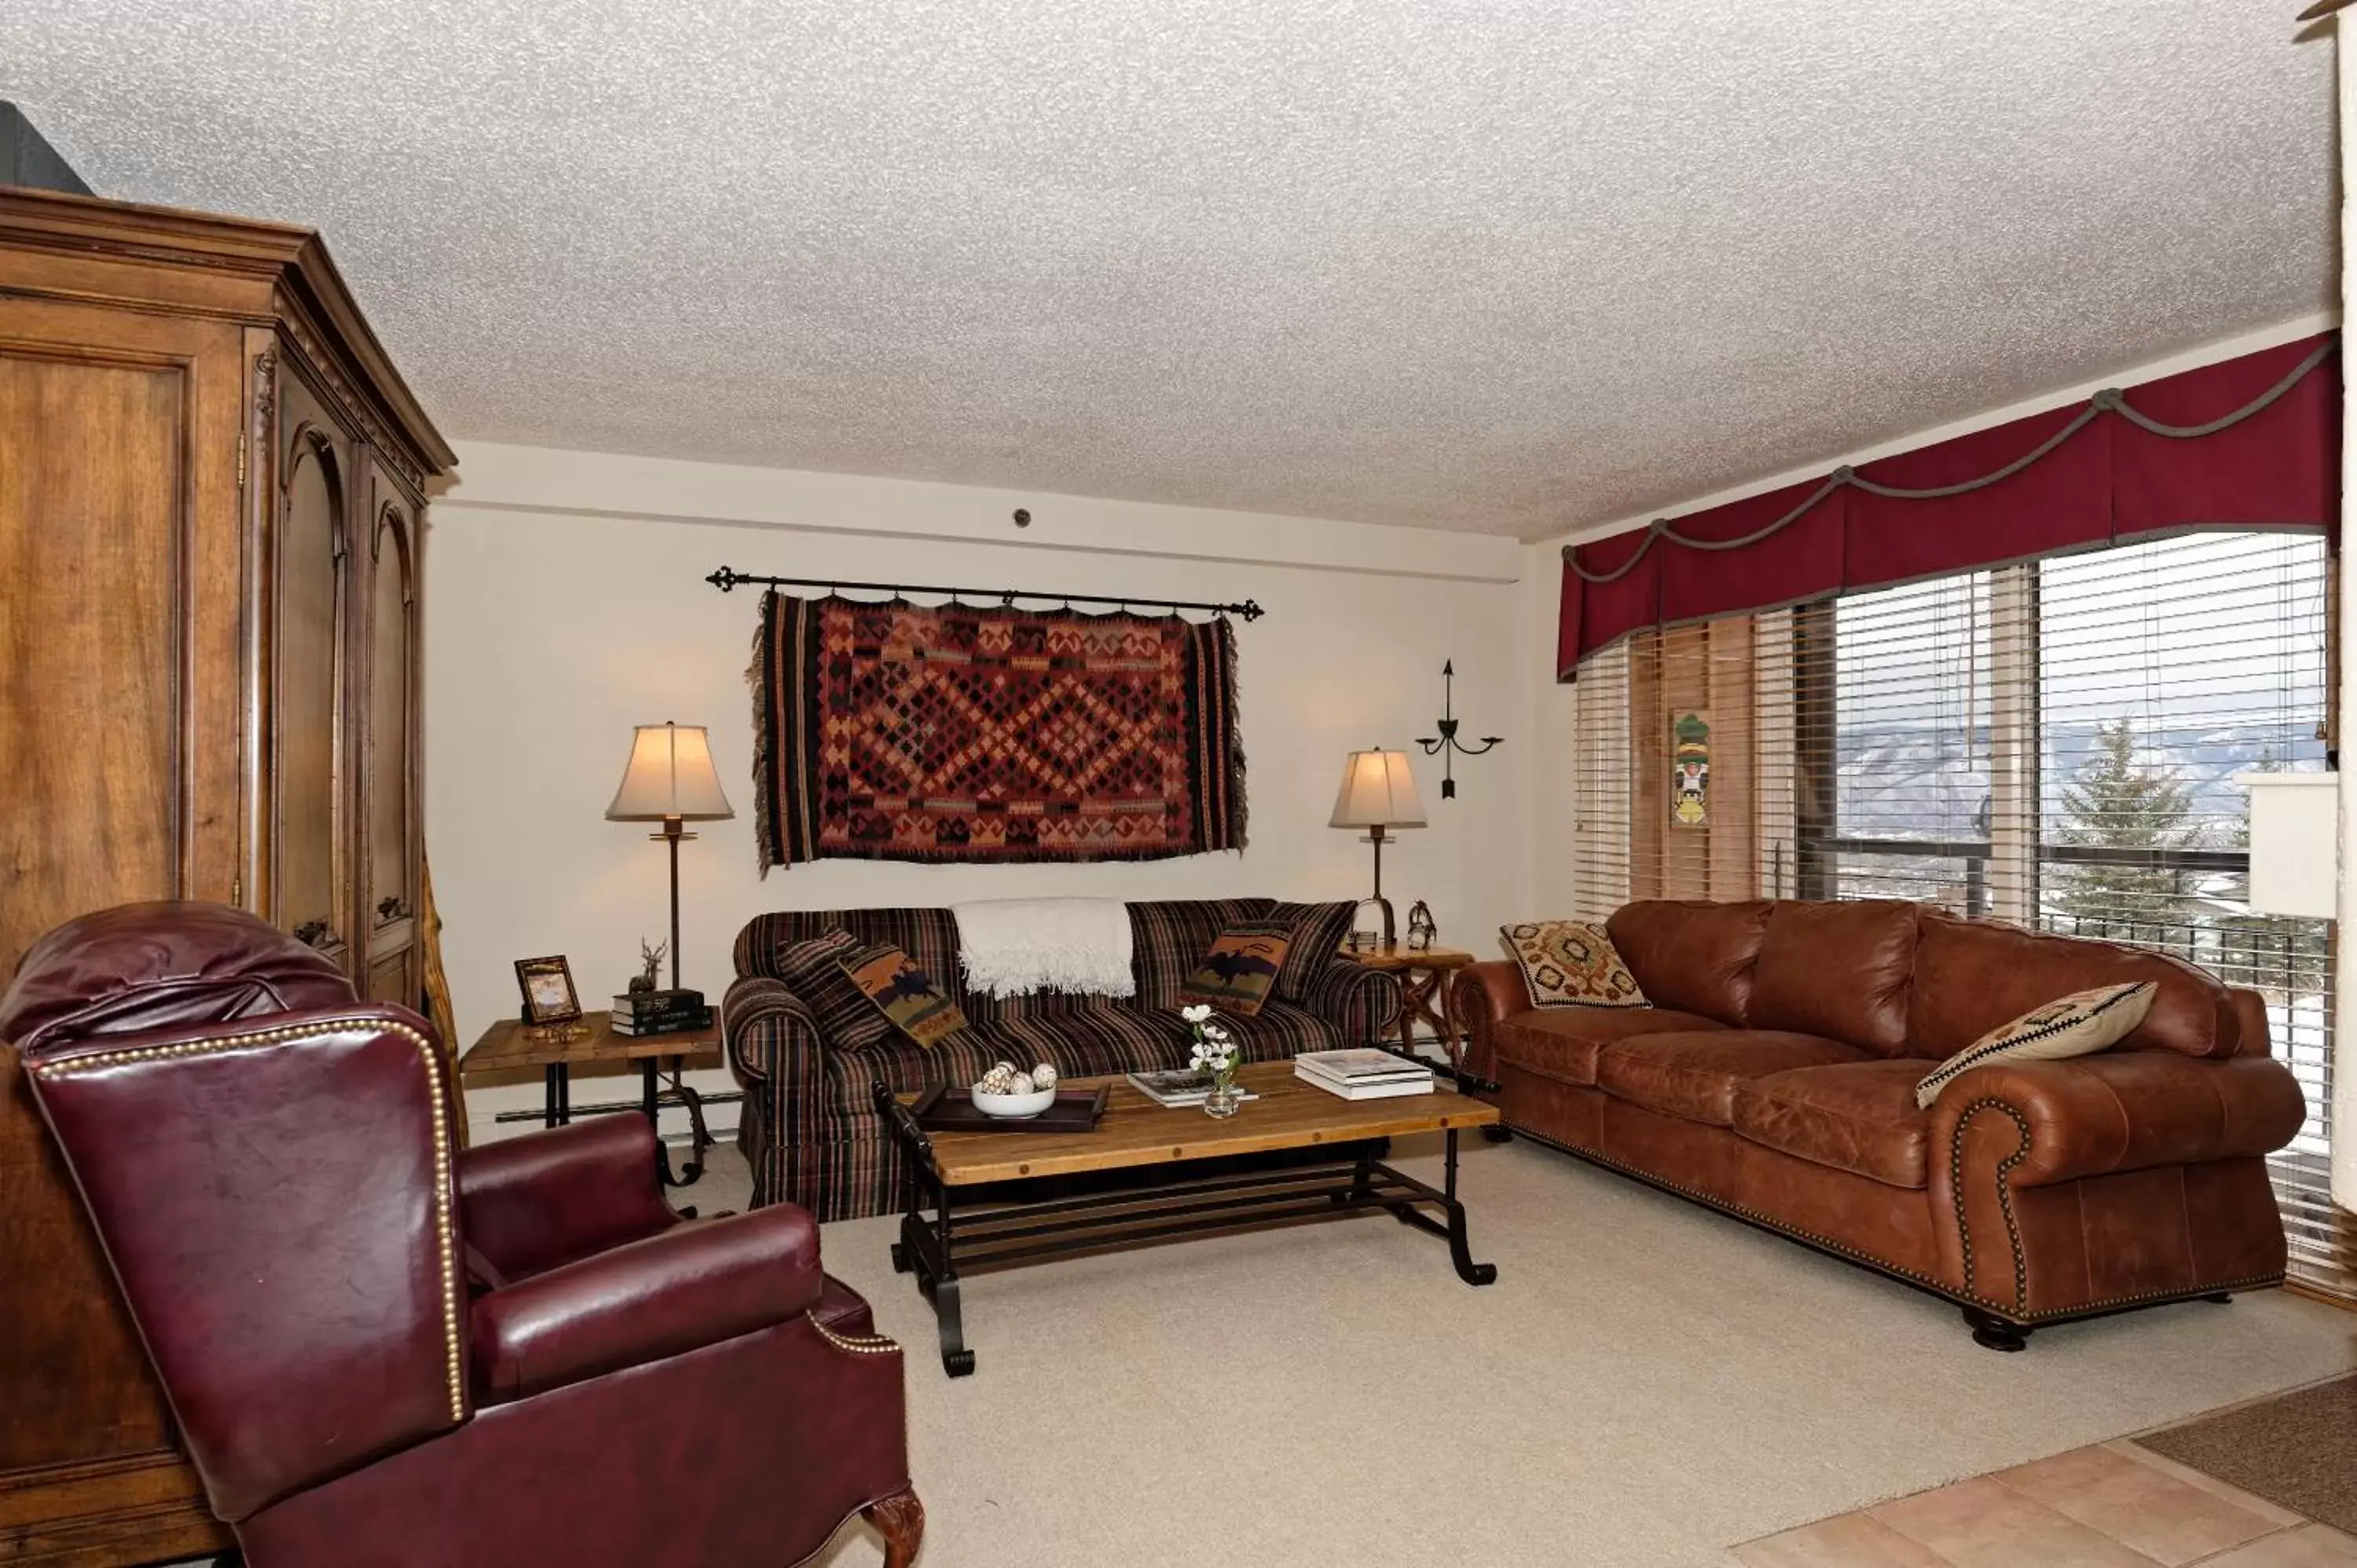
<point>389,768</point>
<point>308,727</point>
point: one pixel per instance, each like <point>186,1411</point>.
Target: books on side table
<point>1363,1073</point>
<point>660,1012</point>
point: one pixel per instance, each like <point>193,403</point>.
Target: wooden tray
<point>943,1110</point>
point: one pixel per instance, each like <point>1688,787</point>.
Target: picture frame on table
<point>547,987</point>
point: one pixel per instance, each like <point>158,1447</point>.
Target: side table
<point>1423,990</point>
<point>557,1048</point>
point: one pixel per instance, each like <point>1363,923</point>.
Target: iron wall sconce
<point>1446,745</point>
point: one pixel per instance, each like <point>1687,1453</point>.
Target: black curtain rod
<point>728,577</point>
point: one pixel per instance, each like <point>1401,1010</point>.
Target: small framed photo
<point>547,987</point>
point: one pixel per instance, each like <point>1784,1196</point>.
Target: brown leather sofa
<point>1773,1078</point>
<point>383,1351</point>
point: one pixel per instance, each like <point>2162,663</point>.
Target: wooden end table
<point>557,1048</point>
<point>1337,1147</point>
<point>1423,990</point>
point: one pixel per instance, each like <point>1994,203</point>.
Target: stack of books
<point>1363,1074</point>
<point>1180,1085</point>
<point>660,1012</point>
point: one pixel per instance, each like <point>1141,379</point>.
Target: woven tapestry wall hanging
<point>900,732</point>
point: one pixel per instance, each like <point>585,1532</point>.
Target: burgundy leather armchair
<point>383,1350</point>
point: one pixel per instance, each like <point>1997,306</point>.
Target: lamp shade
<point>670,775</point>
<point>1378,790</point>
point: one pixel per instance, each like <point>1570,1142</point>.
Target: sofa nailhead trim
<point>1880,1265</point>
<point>445,1237</point>
<point>857,1344</point>
<point>2004,1192</point>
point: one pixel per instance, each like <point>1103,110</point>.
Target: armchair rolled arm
<point>528,1204</point>
<point>760,1019</point>
<point>692,1286</point>
<point>2126,1111</point>
<point>1362,1003</point>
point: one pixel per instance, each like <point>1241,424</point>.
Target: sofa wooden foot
<point>1497,1133</point>
<point>2218,1299</point>
<point>901,1520</point>
<point>1992,1333</point>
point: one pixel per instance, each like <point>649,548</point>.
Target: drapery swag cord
<point>2109,400</point>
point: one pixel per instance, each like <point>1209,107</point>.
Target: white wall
<point>566,603</point>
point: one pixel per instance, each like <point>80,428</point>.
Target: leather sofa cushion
<point>1695,1076</point>
<point>1972,976</point>
<point>1860,1117</point>
<point>1693,957</point>
<point>1563,1042</point>
<point>1843,971</point>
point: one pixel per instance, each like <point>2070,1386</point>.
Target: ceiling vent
<point>26,159</point>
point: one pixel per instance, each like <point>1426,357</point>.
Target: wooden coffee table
<point>1263,1180</point>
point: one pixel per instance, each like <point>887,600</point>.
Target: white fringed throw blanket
<point>1010,946</point>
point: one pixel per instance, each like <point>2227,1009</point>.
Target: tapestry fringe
<point>754,680</point>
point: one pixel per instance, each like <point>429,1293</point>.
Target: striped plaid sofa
<point>810,1129</point>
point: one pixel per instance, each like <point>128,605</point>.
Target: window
<point>2053,743</point>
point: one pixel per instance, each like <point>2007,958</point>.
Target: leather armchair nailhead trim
<point>443,1229</point>
<point>857,1344</point>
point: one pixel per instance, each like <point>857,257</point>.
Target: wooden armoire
<point>211,499</point>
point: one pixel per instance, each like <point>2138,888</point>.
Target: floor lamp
<point>669,780</point>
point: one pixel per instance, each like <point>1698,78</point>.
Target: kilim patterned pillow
<point>2078,1025</point>
<point>1241,970</point>
<point>890,979</point>
<point>1571,963</point>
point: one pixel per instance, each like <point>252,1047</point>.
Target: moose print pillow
<point>890,979</point>
<point>1240,971</point>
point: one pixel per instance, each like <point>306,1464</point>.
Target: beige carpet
<point>1645,1385</point>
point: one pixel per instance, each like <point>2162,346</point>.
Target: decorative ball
<point>1044,1076</point>
<point>1020,1084</point>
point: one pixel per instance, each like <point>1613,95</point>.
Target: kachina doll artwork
<point>1690,770</point>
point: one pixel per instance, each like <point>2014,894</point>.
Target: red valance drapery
<point>2251,441</point>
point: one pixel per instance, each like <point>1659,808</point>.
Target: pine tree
<point>2120,802</point>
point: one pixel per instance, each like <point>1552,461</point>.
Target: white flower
<point>1213,1032</point>
<point>1195,1014</point>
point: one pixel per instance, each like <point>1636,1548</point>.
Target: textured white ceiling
<point>1504,265</point>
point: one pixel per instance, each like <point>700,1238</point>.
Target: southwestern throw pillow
<point>906,994</point>
<point>1237,975</point>
<point>1571,963</point>
<point>812,971</point>
<point>2078,1025</point>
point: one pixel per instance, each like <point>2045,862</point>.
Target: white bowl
<point>1013,1107</point>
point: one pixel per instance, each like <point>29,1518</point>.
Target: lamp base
<point>1390,926</point>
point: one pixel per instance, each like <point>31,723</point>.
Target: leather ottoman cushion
<point>1695,1076</point>
<point>1859,1118</point>
<point>1562,1043</point>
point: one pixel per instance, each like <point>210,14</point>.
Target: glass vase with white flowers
<point>1215,1053</point>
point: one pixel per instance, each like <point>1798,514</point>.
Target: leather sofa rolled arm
<point>689,1287</point>
<point>2127,1111</point>
<point>529,1204</point>
<point>1481,995</point>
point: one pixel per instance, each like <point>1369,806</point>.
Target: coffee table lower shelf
<point>963,1236</point>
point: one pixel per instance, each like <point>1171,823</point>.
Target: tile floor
<point>2115,1505</point>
